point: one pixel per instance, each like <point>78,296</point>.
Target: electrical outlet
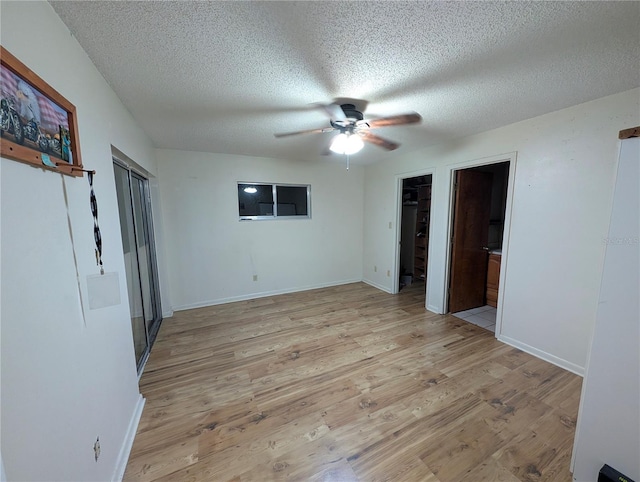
<point>255,277</point>
<point>389,273</point>
<point>96,448</point>
<point>375,269</point>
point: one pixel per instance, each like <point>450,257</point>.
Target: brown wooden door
<point>472,210</point>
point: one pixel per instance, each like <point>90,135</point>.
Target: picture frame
<point>38,126</point>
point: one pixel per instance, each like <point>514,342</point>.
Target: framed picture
<point>37,125</point>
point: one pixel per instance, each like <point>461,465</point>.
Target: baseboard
<point>435,309</point>
<point>263,294</point>
<point>125,450</point>
<point>572,367</point>
<point>376,285</point>
<point>167,314</point>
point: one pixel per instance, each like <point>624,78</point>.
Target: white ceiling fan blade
<point>309,131</point>
<point>334,111</point>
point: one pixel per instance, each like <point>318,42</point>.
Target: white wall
<point>562,197</point>
<point>608,429</point>
<point>212,256</point>
<point>65,379</point>
<point>3,476</point>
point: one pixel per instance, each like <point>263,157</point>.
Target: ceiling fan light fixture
<point>345,143</point>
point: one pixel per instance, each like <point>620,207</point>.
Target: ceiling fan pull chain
<point>348,156</point>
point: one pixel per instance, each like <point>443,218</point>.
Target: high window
<point>271,201</point>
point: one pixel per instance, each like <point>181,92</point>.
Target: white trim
<point>572,367</point>
<point>167,314</point>
<point>506,236</point>
<point>263,294</point>
<point>376,285</point>
<point>128,163</point>
<point>447,248</point>
<point>395,282</point>
<point>144,364</point>
<point>511,158</point>
<point>125,450</point>
<point>434,309</point>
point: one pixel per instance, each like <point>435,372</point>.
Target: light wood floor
<point>347,384</point>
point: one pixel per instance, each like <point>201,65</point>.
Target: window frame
<point>274,193</point>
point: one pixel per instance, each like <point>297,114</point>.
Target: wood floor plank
<point>489,469</point>
<point>460,451</point>
<point>347,383</point>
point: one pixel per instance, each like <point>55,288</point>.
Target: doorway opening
<point>136,227</point>
<point>415,220</point>
<point>477,233</point>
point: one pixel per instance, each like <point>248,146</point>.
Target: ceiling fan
<point>354,129</point>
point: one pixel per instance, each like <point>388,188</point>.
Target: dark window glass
<point>292,200</point>
<point>255,203</point>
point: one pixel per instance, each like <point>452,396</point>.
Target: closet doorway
<point>136,226</point>
<point>415,220</point>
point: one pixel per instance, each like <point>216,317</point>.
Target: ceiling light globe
<point>338,144</point>
<point>346,144</point>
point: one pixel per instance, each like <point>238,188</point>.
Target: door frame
<point>151,334</point>
<point>395,287</point>
<point>154,280</point>
<point>485,161</point>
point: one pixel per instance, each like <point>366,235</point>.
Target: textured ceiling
<point>225,76</point>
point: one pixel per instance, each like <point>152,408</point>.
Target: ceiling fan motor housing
<point>350,122</point>
<point>351,113</point>
<point>352,116</point>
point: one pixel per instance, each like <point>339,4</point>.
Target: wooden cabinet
<point>422,232</point>
<point>493,279</point>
